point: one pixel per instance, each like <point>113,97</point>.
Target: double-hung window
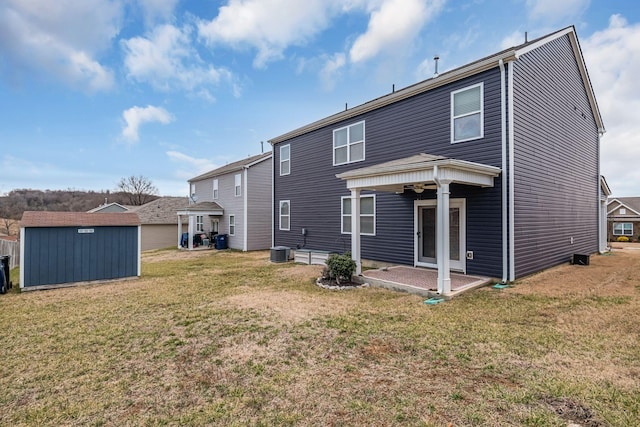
<point>348,144</point>
<point>623,229</point>
<point>367,215</point>
<point>285,215</point>
<point>238,179</point>
<point>199,223</point>
<point>232,225</point>
<point>215,189</point>
<point>285,159</point>
<point>467,113</point>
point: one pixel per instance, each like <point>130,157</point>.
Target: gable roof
<point>77,219</point>
<point>111,207</point>
<point>163,210</point>
<point>233,167</point>
<point>456,74</point>
<point>631,203</point>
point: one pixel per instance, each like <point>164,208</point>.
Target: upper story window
<point>238,179</point>
<point>348,144</point>
<point>623,211</point>
<point>215,189</point>
<point>467,113</point>
<point>193,189</point>
<point>285,159</point>
<point>285,215</point>
<point>367,215</point>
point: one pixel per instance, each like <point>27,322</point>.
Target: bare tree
<point>138,189</point>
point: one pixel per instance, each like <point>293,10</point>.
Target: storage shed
<point>65,248</point>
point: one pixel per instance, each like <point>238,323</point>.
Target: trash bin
<point>220,241</point>
<point>5,275</point>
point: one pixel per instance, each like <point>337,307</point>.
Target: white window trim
<point>623,211</point>
<point>623,229</point>
<point>364,144</point>
<point>199,223</point>
<point>232,223</point>
<point>193,189</point>
<point>481,85</point>
<point>287,160</point>
<point>238,184</point>
<point>215,189</point>
<point>280,215</point>
<point>342,214</point>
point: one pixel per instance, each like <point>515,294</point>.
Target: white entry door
<point>425,234</point>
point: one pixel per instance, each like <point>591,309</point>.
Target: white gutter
<point>503,131</point>
<point>512,246</point>
<point>245,200</point>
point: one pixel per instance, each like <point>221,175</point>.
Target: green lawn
<point>227,338</point>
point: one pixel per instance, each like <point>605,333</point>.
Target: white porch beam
<point>355,230</point>
<point>443,239</point>
<point>179,231</point>
<point>191,227</point>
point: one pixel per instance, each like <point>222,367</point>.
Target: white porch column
<point>179,230</point>
<point>442,232</point>
<point>191,227</point>
<point>355,229</point>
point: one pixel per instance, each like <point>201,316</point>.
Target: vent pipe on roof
<point>526,37</point>
<point>345,107</point>
<point>262,146</point>
<point>393,88</point>
<point>436,59</point>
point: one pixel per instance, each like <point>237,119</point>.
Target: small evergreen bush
<point>341,267</point>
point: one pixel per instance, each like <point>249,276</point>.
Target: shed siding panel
<point>420,124</point>
<point>556,160</point>
<point>259,206</point>
<point>62,255</point>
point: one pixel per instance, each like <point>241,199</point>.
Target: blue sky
<point>95,90</point>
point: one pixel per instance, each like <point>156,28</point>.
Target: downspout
<point>503,131</point>
<point>512,246</point>
<point>273,197</point>
<point>245,197</point>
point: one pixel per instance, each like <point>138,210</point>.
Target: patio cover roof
<point>202,208</point>
<point>415,171</point>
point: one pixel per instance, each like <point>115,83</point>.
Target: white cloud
<point>136,116</point>
<point>613,60</point>
<point>392,25</point>
<point>157,10</point>
<point>60,39</point>
<point>166,60</point>
<point>189,167</point>
<point>331,68</point>
<point>270,26</point>
<point>553,11</point>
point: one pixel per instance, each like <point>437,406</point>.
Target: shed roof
<point>233,167</point>
<point>161,211</point>
<point>77,219</point>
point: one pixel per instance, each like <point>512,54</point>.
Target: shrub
<point>622,239</point>
<point>341,267</point>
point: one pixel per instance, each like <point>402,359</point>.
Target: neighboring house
<point>159,221</point>
<point>159,227</point>
<point>235,200</point>
<point>623,217</point>
<point>489,169</point>
<point>110,207</point>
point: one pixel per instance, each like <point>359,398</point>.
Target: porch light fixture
<point>418,188</point>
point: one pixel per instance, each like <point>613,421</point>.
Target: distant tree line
<point>131,191</point>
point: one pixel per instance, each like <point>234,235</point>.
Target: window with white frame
<point>199,223</point>
<point>467,113</point>
<point>623,211</point>
<point>193,189</point>
<point>285,159</point>
<point>215,189</point>
<point>348,144</point>
<point>285,215</point>
<point>623,229</point>
<point>367,215</point>
<point>232,225</point>
<point>238,179</point>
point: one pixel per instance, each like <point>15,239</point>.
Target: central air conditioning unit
<point>280,254</point>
